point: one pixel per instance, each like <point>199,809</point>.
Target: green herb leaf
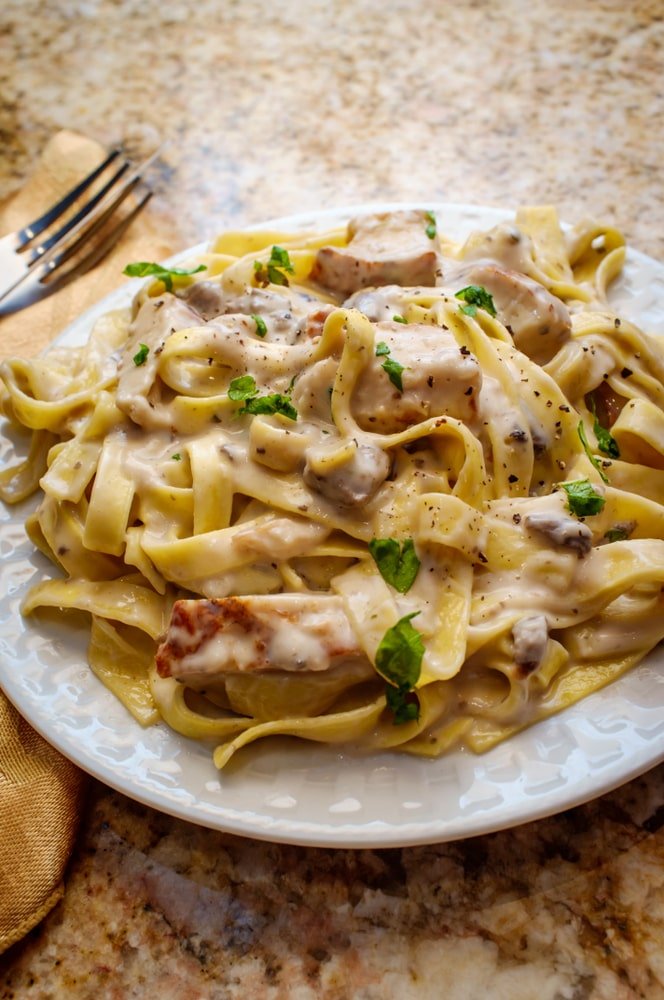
<point>275,402</point>
<point>616,534</point>
<point>393,369</point>
<point>431,227</point>
<point>582,498</point>
<point>476,297</point>
<point>144,268</point>
<point>399,654</point>
<point>399,319</point>
<point>261,328</point>
<point>399,661</point>
<point>397,562</point>
<point>243,387</point>
<point>274,272</point>
<point>141,355</point>
<point>382,348</point>
<point>404,704</point>
<point>606,442</point>
<point>581,431</point>
<point>177,457</point>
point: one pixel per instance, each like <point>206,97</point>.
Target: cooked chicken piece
<point>379,303</point>
<point>287,314</point>
<point>155,321</point>
<point>206,297</point>
<point>349,474</point>
<point>538,321</point>
<point>312,324</point>
<point>291,632</point>
<point>386,249</point>
<point>562,531</point>
<point>311,392</point>
<point>530,636</point>
<point>438,378</point>
<point>504,245</point>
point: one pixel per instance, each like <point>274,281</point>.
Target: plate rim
<point>279,828</point>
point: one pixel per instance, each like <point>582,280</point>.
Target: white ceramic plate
<point>298,792</point>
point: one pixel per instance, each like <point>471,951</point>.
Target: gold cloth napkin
<point>40,791</point>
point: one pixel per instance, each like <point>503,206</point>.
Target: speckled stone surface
<point>272,109</point>
<point>277,108</point>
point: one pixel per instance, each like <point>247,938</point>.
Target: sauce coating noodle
<point>367,486</point>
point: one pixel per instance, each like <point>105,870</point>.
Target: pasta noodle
<point>366,486</point>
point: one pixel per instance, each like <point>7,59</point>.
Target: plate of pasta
<point>348,529</point>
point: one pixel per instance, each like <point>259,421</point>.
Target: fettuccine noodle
<point>366,486</point>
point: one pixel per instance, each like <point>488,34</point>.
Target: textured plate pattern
<point>300,793</point>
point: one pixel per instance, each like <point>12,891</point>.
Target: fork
<point>29,272</point>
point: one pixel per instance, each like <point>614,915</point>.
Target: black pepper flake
<point>536,392</point>
<point>518,434</point>
<point>464,350</point>
<point>626,372</point>
<point>469,391</point>
<point>482,558</point>
<point>516,518</point>
<point>549,402</point>
<point>430,381</point>
<point>616,323</point>
<point>513,479</point>
<point>565,409</point>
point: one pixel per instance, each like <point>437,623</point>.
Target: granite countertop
<point>269,111</point>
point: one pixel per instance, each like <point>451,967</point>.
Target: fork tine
<point>97,223</point>
<point>99,250</point>
<point>81,214</point>
<point>36,227</point>
<point>81,230</point>
<point>26,295</point>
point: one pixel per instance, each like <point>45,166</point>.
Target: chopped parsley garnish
<point>274,402</point>
<point>404,704</point>
<point>145,268</point>
<point>244,389</point>
<point>616,534</point>
<point>399,661</point>
<point>399,319</point>
<point>476,297</point>
<point>261,328</point>
<point>582,498</point>
<point>586,447</point>
<point>177,457</point>
<point>606,442</point>
<point>397,562</point>
<point>431,225</point>
<point>276,270</point>
<point>393,370</point>
<point>391,367</point>
<point>141,355</point>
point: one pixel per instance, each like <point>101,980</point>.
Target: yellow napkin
<point>41,791</point>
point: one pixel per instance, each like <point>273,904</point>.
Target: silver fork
<point>29,272</point>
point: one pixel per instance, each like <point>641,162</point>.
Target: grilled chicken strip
<point>207,639</point>
<point>439,379</point>
<point>154,323</point>
<point>383,249</point>
<point>538,321</point>
<point>287,314</point>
